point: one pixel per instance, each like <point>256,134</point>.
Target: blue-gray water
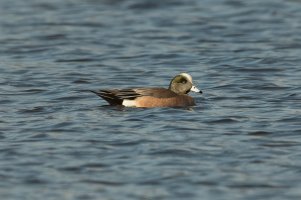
<point>241,141</point>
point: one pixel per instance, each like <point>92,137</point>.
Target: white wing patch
<point>128,103</point>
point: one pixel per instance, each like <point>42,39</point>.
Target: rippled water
<point>241,141</point>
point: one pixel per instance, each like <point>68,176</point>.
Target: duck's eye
<point>183,81</point>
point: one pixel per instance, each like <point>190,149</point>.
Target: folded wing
<point>116,96</point>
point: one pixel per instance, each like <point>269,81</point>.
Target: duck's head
<point>182,84</point>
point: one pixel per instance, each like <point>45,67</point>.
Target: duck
<point>176,95</point>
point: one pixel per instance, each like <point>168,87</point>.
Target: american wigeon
<point>174,96</point>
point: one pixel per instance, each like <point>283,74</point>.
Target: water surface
<point>241,141</point>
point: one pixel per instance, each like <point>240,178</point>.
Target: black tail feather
<point>109,96</point>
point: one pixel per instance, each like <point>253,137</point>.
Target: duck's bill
<point>195,89</point>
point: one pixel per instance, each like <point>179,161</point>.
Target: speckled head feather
<point>181,84</point>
